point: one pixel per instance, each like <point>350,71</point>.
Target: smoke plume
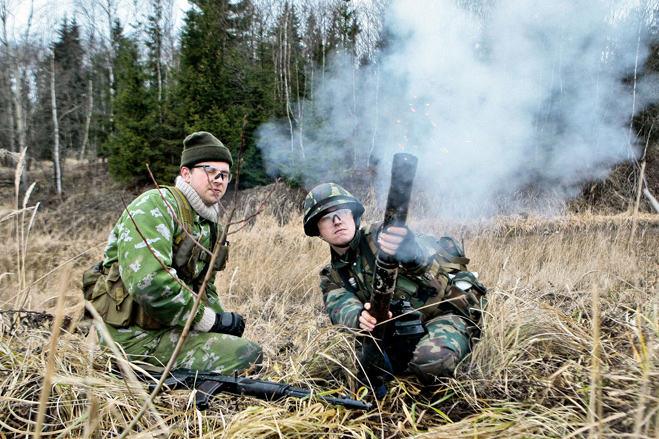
<point>513,96</point>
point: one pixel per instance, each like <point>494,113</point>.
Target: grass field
<point>569,345</point>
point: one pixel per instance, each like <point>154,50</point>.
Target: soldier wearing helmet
<point>437,301</point>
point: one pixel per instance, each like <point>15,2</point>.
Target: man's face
<point>337,226</point>
<point>202,177</point>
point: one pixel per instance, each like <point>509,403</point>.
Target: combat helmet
<point>323,197</point>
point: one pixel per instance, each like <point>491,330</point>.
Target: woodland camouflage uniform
<point>430,282</point>
<point>141,262</point>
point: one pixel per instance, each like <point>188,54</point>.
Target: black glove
<point>229,323</point>
<point>408,249</point>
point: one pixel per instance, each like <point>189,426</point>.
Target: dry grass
<point>532,376</point>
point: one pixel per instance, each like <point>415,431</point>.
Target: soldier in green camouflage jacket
<point>437,301</point>
<point>152,267</point>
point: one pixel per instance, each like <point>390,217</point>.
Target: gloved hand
<point>229,323</point>
<point>409,249</point>
<point>401,243</point>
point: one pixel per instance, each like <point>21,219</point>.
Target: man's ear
<point>185,173</point>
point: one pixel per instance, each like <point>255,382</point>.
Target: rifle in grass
<point>209,384</point>
<point>385,272</point>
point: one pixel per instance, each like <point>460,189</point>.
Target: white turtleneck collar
<point>211,213</point>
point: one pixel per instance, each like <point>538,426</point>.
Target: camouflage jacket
<point>428,283</point>
<point>154,287</point>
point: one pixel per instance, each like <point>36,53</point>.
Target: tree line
<point>128,90</point>
<point>131,92</point>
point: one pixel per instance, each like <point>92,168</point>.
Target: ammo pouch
<point>189,254</point>
<point>105,290</point>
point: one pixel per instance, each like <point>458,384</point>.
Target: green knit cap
<point>204,147</point>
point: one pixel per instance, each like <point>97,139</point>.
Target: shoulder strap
<point>366,249</point>
<point>367,252</point>
<point>185,213</point>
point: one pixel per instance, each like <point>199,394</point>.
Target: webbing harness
<point>185,214</point>
<point>185,249</point>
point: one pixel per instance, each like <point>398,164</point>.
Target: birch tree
<point>7,95</point>
<point>56,148</point>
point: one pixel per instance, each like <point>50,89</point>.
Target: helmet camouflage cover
<point>323,197</point>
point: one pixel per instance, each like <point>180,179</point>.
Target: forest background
<point>495,97</point>
<point>129,92</point>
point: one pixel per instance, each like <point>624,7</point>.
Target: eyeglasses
<point>211,171</point>
<point>341,213</point>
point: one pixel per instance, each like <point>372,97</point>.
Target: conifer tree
<point>219,78</point>
<point>137,139</point>
<point>71,84</point>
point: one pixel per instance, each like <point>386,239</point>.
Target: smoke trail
<point>526,94</point>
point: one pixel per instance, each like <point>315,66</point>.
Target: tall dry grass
<point>569,346</point>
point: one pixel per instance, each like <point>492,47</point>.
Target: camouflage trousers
<point>206,351</point>
<point>435,354</point>
<point>447,342</point>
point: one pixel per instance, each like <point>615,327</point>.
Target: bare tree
<point>56,152</point>
<point>17,71</point>
<point>160,40</point>
<point>91,11</point>
<point>6,76</point>
<point>88,116</point>
<point>16,76</point>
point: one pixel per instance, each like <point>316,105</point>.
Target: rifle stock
<point>211,383</point>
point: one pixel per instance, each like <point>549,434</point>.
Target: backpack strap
<point>343,275</point>
<point>185,213</point>
<point>367,251</point>
<point>451,250</point>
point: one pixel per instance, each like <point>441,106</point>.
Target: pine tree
<point>137,139</point>
<point>71,85</point>
<point>219,79</point>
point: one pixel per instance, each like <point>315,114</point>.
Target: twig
<point>652,199</point>
<point>250,218</point>
<point>12,214</point>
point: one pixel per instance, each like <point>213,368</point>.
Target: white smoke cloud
<point>526,93</point>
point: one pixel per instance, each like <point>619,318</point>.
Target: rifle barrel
<point>211,383</point>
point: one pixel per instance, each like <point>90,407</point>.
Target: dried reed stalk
<point>595,413</point>
<point>52,352</point>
